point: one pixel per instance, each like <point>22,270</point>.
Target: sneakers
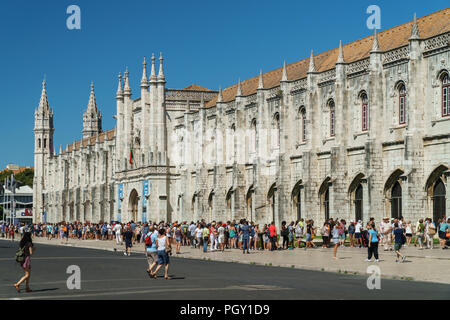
<point>377,260</point>
<point>124,253</point>
<point>368,260</point>
<point>404,258</point>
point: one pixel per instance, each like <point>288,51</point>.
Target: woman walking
<point>373,243</point>
<point>325,234</point>
<point>336,232</point>
<point>26,244</point>
<point>163,249</point>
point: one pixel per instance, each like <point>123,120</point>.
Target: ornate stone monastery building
<point>358,131</point>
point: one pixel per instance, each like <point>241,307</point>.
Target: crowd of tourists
<point>246,235</point>
<point>159,238</point>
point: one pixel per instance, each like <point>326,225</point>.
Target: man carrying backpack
<point>150,249</point>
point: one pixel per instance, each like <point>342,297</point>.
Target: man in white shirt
<point>118,230</point>
<point>386,228</point>
<point>221,239</point>
<point>358,233</point>
<point>191,232</point>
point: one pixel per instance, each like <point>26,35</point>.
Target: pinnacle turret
<point>312,67</point>
<point>284,75</point>
<point>144,81</point>
<point>261,80</point>
<point>219,98</point>
<point>92,104</point>
<point>161,76</point>
<point>239,89</point>
<point>341,54</point>
<point>153,72</point>
<point>127,89</point>
<point>415,29</point>
<point>43,103</point>
<point>119,93</point>
<point>375,45</point>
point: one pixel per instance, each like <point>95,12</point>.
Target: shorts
<point>128,244</point>
<point>442,235</point>
<point>163,257</point>
<point>336,240</point>
<point>409,234</point>
<point>178,239</point>
<point>221,239</point>
<point>152,257</point>
<point>397,246</point>
<point>357,235</point>
<point>308,237</point>
<point>342,236</point>
<point>299,236</point>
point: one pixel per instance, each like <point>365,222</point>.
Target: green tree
<point>26,177</point>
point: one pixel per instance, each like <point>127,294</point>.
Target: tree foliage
<point>25,177</point>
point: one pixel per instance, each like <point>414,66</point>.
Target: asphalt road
<point>111,275</point>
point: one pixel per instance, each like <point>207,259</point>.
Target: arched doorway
<point>359,203</point>
<point>229,198</point>
<point>297,200</point>
<point>438,200</point>
<point>271,197</point>
<point>133,206</point>
<point>396,200</point>
<point>249,199</point>
<point>324,197</point>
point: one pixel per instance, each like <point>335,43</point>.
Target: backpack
<point>148,240</point>
<point>20,255</point>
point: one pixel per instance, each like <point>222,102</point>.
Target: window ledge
<point>328,139</point>
<point>400,126</point>
<point>445,118</point>
<point>299,144</point>
<point>362,133</point>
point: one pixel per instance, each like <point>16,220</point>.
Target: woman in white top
<point>162,247</point>
<point>408,232</point>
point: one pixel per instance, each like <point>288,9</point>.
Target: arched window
<point>439,200</point>
<point>253,136</point>
<point>302,133</point>
<point>401,104</point>
<point>39,142</point>
<point>364,112</point>
<point>359,203</point>
<point>396,197</point>
<point>445,95</point>
<point>276,120</point>
<point>332,118</point>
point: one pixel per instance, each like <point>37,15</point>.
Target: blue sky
<point>206,42</point>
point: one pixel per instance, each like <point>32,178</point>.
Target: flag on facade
<point>131,155</point>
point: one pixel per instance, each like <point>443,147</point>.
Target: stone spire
<point>341,54</point>
<point>92,118</point>
<point>415,29</point>
<point>92,104</point>
<point>43,103</point>
<point>60,149</point>
<point>284,75</point>
<point>119,93</point>
<point>144,82</point>
<point>312,67</point>
<point>261,81</point>
<point>239,89</point>
<point>375,45</point>
<point>127,89</point>
<point>219,98</point>
<point>153,72</point>
<point>161,76</point>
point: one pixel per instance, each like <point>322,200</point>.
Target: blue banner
<point>45,217</point>
<point>119,203</point>
<point>145,193</point>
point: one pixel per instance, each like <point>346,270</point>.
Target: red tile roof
<point>429,26</point>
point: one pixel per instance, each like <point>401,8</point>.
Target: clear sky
<point>206,42</point>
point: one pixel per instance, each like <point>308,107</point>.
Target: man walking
<point>399,239</point>
<point>245,232</point>
<point>118,231</point>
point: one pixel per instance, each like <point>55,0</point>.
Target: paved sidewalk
<point>421,265</point>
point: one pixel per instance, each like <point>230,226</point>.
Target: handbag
<point>20,255</point>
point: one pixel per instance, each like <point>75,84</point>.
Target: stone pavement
<point>420,265</point>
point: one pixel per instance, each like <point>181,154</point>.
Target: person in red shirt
<point>273,236</point>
